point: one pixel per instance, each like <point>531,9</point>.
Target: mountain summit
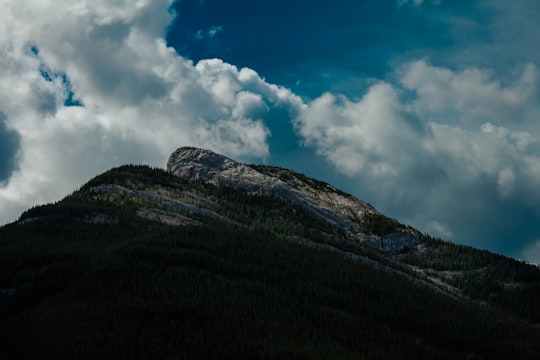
<point>216,169</point>
<point>213,258</point>
<point>322,199</point>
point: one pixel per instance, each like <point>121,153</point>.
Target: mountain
<point>217,259</point>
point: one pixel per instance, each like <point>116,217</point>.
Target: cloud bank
<point>457,149</point>
<point>137,100</point>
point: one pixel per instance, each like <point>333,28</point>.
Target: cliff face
<point>207,166</point>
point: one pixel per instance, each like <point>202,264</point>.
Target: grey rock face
<point>207,166</point>
<point>338,208</point>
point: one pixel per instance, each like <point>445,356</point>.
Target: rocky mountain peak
<point>198,162</point>
<point>334,206</point>
<point>205,165</point>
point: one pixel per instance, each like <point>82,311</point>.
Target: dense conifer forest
<point>89,278</point>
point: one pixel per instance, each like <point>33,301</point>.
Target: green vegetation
<point>217,292</point>
<point>142,175</point>
<point>87,278</point>
<point>504,282</point>
<point>378,224</point>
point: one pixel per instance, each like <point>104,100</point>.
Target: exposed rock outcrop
<point>207,166</point>
<point>332,205</point>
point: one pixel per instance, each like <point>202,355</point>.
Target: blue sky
<point>310,49</point>
<point>430,110</point>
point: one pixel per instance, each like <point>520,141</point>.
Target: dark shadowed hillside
<point>216,259</point>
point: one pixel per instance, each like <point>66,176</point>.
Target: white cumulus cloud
<point>140,98</point>
<point>438,143</point>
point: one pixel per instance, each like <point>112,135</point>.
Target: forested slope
<point>103,274</point>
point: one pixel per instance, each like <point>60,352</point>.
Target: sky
<point>427,109</point>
